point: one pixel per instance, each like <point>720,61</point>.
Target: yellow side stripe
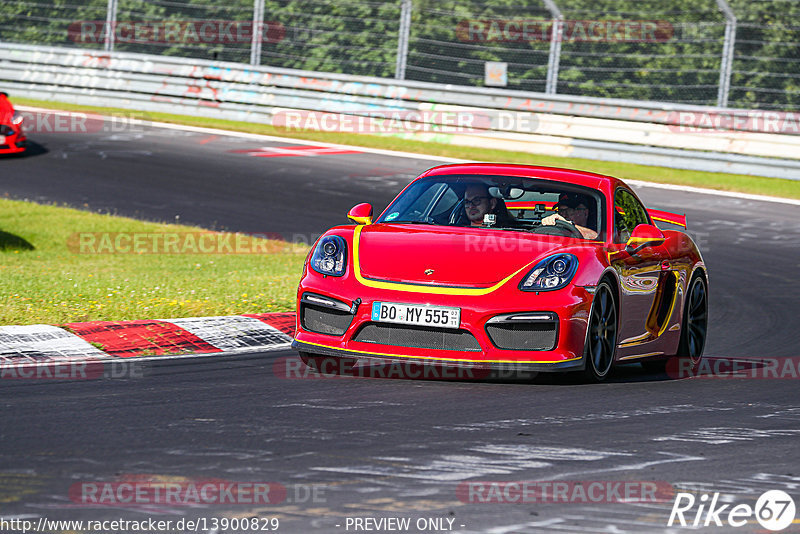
<point>640,355</point>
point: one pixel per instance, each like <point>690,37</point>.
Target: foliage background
<point>360,37</point>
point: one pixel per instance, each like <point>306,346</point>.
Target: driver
<point>478,202</point>
<point>572,208</point>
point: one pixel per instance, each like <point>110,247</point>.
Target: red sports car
<point>12,140</point>
<point>506,266</point>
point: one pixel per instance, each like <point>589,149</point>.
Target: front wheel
<point>601,338</point>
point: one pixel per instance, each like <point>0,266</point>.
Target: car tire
<point>694,328</point>
<point>601,335</point>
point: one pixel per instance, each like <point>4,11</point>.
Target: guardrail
<point>638,132</point>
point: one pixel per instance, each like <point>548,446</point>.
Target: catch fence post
<point>402,39</point>
<point>111,25</point>
<point>554,57</point>
<point>726,65</point>
<point>258,32</point>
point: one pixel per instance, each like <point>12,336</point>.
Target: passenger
<point>573,208</point>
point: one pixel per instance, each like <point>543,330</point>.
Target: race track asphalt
<point>381,447</point>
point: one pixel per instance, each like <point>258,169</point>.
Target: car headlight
<point>553,272</point>
<point>17,118</point>
<point>330,256</point>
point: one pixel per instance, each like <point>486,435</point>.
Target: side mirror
<point>361,214</point>
<point>644,235</point>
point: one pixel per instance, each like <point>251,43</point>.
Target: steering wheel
<point>457,212</point>
<point>562,228</point>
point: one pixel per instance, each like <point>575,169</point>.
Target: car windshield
<point>498,202</point>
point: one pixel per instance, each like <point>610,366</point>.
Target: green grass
<point>44,277</point>
<point>720,181</point>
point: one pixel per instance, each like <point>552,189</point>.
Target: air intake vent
<point>418,337</point>
<point>522,335</point>
<point>323,320</point>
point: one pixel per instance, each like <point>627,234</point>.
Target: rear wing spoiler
<point>656,215</point>
<point>665,216</point>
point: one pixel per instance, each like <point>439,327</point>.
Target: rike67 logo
<point>774,510</point>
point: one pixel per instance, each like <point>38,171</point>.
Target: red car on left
<point>12,139</point>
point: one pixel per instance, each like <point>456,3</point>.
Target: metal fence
<point>729,53</point>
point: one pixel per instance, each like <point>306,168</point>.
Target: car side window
<point>446,203</point>
<point>413,206</point>
<point>423,201</point>
<point>628,214</point>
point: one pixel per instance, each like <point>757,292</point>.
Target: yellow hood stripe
<point>421,288</point>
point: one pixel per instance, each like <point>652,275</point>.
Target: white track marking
<point>720,435</point>
<point>702,191</point>
<point>482,460</point>
<point>672,458</point>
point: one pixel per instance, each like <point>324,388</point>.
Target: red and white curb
<point>169,338</point>
<point>43,343</point>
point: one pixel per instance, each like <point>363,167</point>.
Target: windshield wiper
<point>507,228</point>
<point>415,222</point>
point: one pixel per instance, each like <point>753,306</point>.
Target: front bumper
<point>568,308</point>
<point>314,348</point>
<point>13,144</point>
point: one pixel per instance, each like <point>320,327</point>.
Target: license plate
<point>393,312</point>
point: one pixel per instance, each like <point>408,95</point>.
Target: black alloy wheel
<point>601,339</point>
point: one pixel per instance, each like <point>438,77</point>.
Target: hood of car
<point>6,112</point>
<point>455,256</point>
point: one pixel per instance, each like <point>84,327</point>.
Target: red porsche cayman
<point>12,139</point>
<point>506,266</point>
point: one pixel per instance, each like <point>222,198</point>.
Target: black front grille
<point>419,337</point>
<point>523,335</point>
<point>324,320</point>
